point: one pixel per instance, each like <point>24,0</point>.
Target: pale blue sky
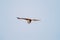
<point>13,29</point>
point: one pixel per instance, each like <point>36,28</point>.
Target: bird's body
<point>28,19</point>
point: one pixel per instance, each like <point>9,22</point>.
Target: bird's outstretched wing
<point>28,19</point>
<point>22,18</point>
<point>35,20</point>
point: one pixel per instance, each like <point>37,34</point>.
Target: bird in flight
<point>28,19</point>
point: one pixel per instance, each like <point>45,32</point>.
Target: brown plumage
<point>28,19</point>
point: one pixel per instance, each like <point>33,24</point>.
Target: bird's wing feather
<point>35,20</point>
<point>22,18</point>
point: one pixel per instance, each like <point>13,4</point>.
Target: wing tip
<point>17,17</point>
